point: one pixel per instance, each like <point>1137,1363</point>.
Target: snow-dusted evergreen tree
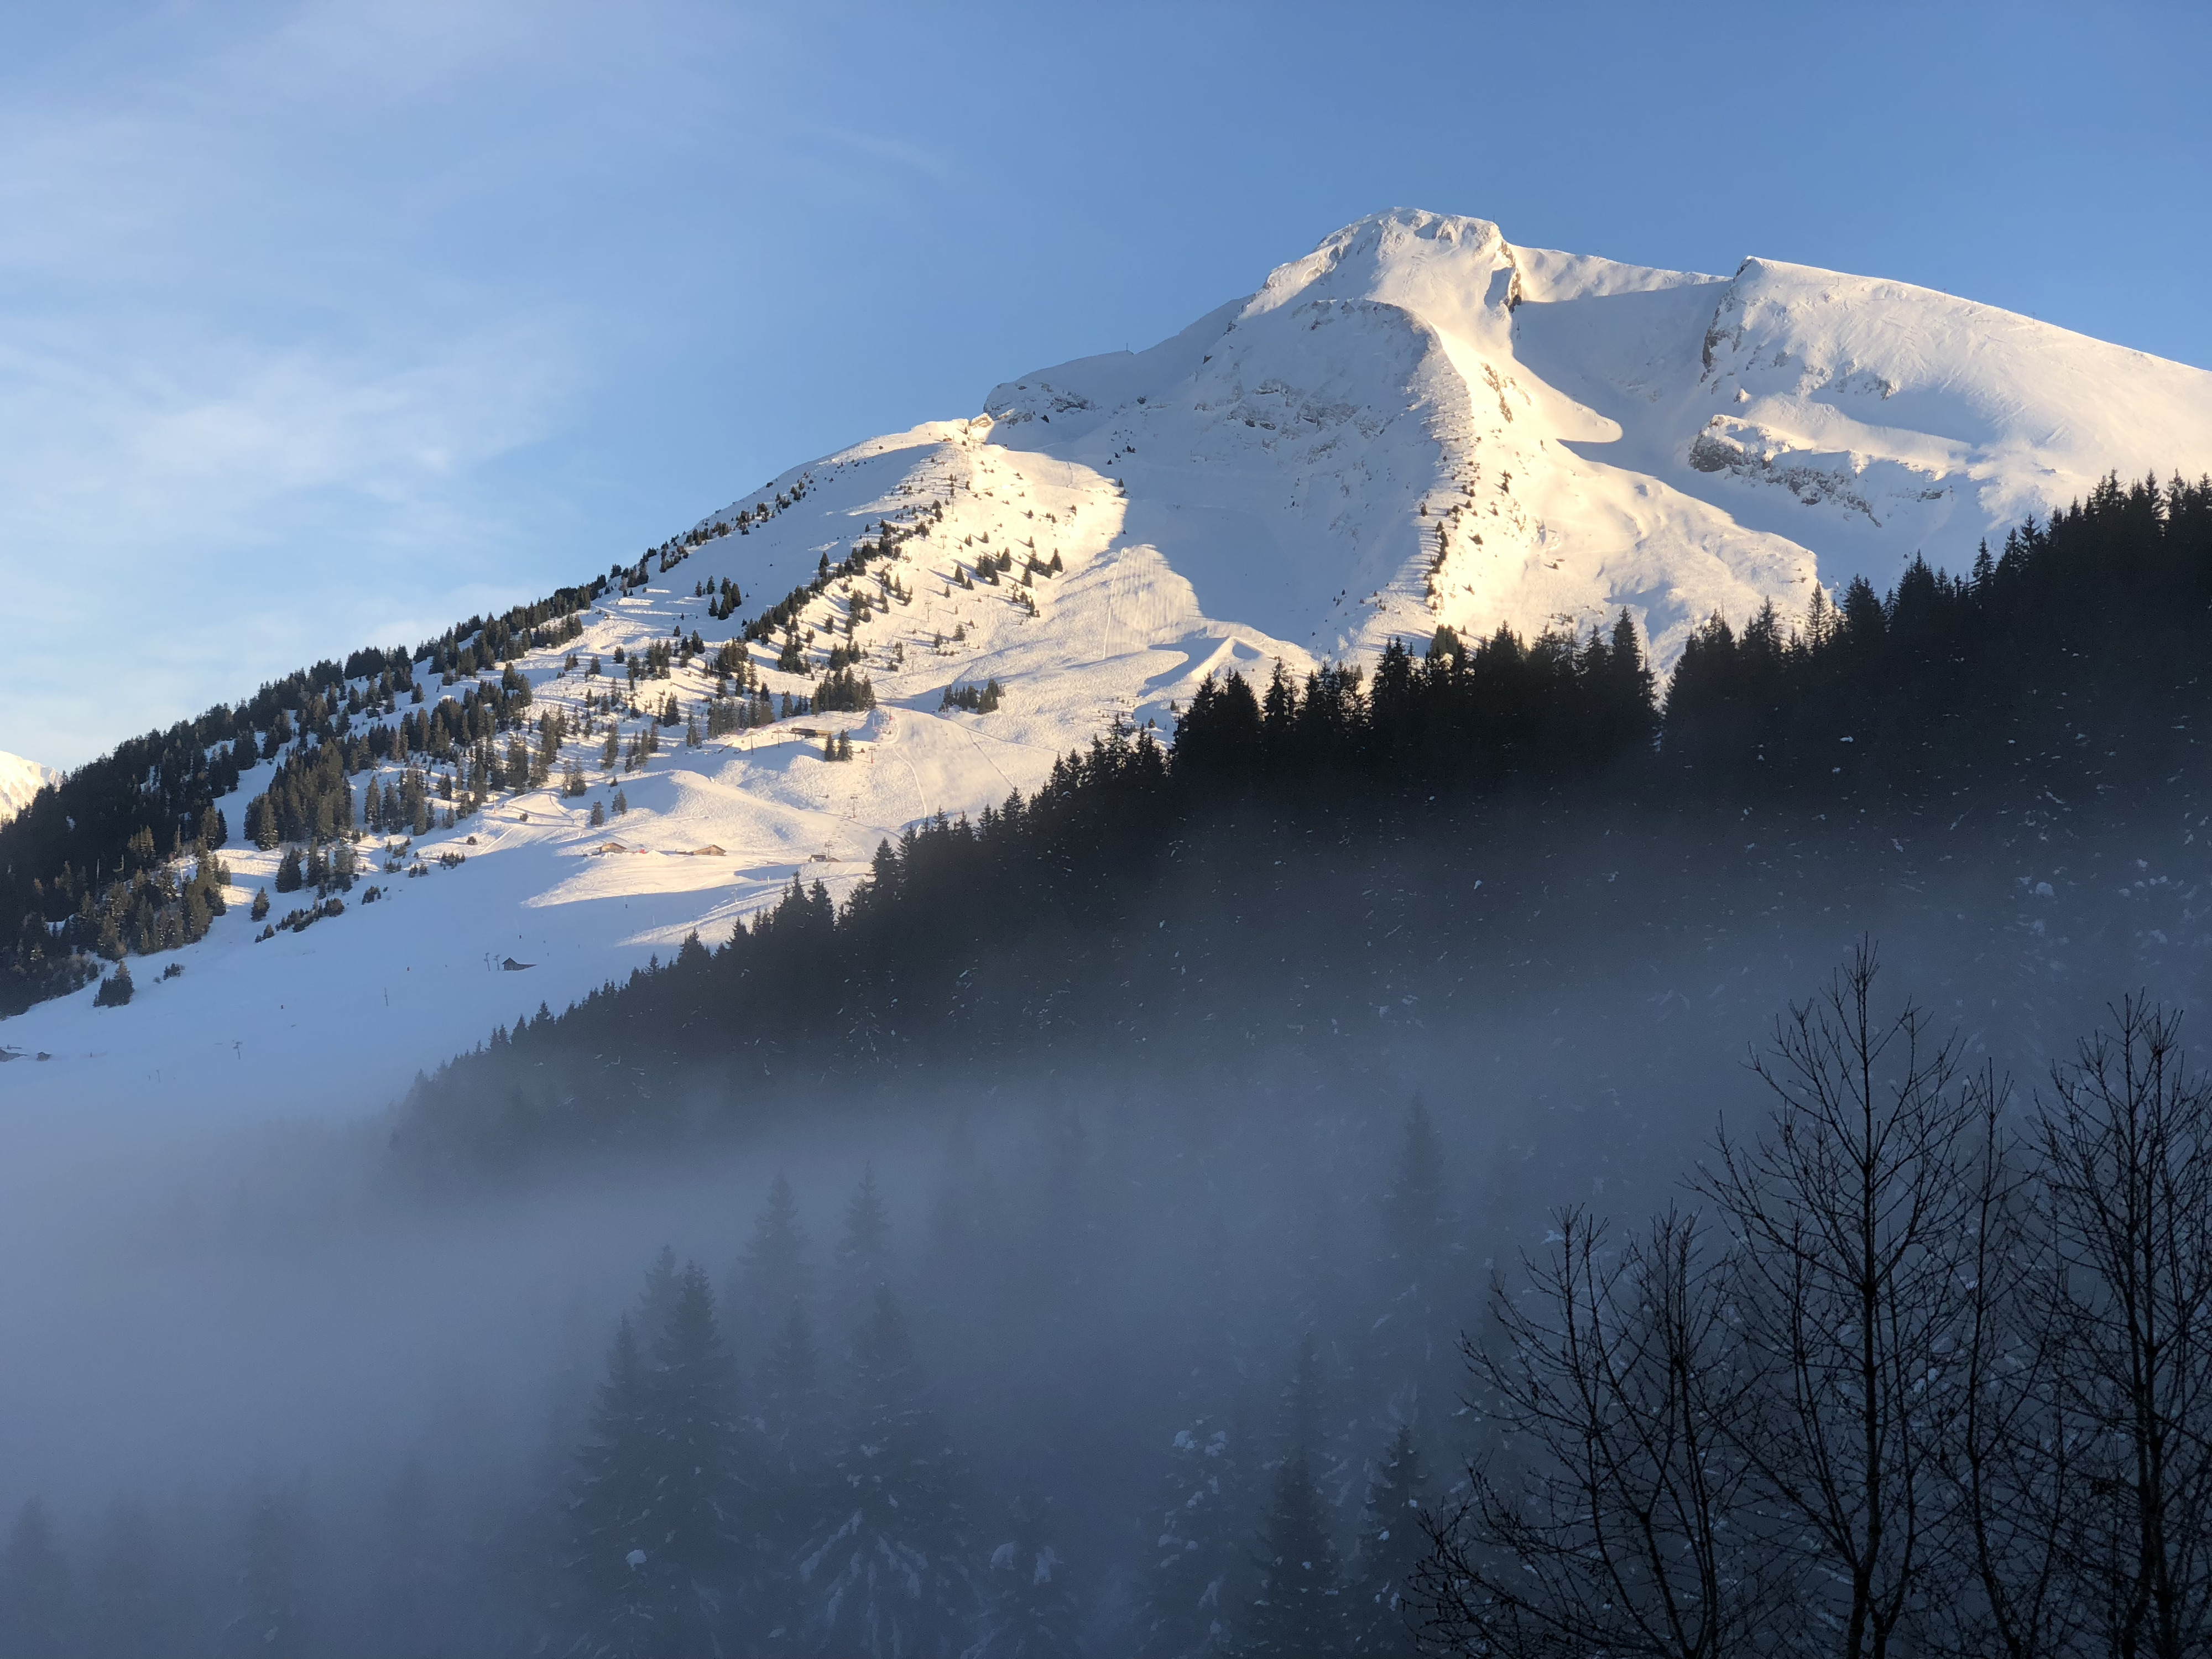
<point>270,1611</point>
<point>862,1263</point>
<point>703,1515</point>
<point>665,1528</point>
<point>656,1303</point>
<point>129,1611</point>
<point>885,1577</point>
<point>1030,1608</point>
<point>1299,1610</point>
<point>36,1607</point>
<point>1417,1335</point>
<point>611,1510</point>
<point>1391,1544</point>
<point>1198,1576</point>
<point>1312,1430</point>
<point>415,1602</point>
<point>773,1272</point>
<point>1302,1402</point>
<point>789,1396</point>
<point>789,1419</point>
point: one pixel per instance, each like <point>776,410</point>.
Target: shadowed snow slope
<point>1416,423</point>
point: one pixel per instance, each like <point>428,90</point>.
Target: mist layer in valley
<point>276,1378</point>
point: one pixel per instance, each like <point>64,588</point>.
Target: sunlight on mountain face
<point>1418,424</point>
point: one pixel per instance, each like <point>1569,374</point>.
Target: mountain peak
<point>1442,267</point>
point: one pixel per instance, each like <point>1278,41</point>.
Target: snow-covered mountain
<point>1571,435</point>
<point>1417,423</point>
<point>19,779</point>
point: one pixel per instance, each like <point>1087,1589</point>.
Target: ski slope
<point>1419,423</point>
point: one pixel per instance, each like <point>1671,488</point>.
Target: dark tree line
<point>2079,633</point>
<point>1458,719</point>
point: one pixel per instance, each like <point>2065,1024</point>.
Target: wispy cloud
<point>228,415</point>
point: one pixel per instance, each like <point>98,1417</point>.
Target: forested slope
<point>1311,869</point>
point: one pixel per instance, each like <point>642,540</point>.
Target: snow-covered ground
<point>1417,423</point>
<point>19,779</point>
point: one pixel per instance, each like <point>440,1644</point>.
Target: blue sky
<point>327,325</point>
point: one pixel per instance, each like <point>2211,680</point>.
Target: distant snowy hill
<point>1417,423</point>
<point>19,779</point>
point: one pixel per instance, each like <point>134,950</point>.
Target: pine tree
<point>1415,1338</point>
<point>37,1605</point>
<point>656,1303</point>
<point>612,1504</point>
<point>773,1273</point>
<point>788,1394</point>
<point>1030,1608</point>
<point>1198,1576</point>
<point>1391,1545</point>
<point>1302,1402</point>
<point>1415,1216</point>
<point>885,1575</point>
<point>788,1404</point>
<point>1306,1430</point>
<point>271,1612</point>
<point>412,1603</point>
<point>1299,1610</point>
<point>862,1262</point>
<point>115,991</point>
<point>707,1536</point>
<point>129,1612</point>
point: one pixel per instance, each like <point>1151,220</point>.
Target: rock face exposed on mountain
<point>1417,424</point>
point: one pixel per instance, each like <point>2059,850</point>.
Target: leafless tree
<point>1853,1243</point>
<point>1943,1387</point>
<point>2012,1449</point>
<point>2126,1196</point>
<point>1612,1533</point>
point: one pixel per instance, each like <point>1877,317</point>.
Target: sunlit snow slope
<point>19,779</point>
<point>1417,424</point>
<point>1573,435</point>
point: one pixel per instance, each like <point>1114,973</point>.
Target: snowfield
<point>1417,423</point>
